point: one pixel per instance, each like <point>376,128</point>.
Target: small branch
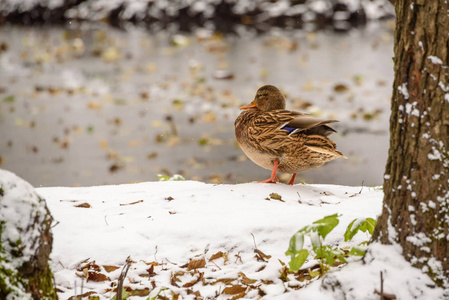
<point>254,240</point>
<point>359,191</point>
<point>155,252</point>
<point>383,295</point>
<point>53,226</point>
<point>215,264</point>
<point>381,285</point>
<point>122,277</point>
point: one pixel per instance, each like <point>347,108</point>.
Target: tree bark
<point>416,186</point>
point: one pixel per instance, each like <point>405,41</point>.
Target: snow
<point>171,222</point>
<point>410,108</point>
<point>403,90</point>
<point>357,281</point>
<point>435,60</point>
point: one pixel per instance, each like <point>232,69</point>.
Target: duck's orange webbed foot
<point>273,178</point>
<point>292,180</point>
<point>270,180</point>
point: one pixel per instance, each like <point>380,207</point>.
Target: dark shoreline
<point>222,16</point>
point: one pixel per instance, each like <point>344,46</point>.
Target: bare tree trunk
<point>416,186</point>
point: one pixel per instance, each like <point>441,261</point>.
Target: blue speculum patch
<point>289,129</point>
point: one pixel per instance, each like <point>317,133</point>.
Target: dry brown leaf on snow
<point>196,263</point>
<point>246,280</point>
<point>136,292</point>
<point>260,256</point>
<point>83,205</point>
<point>224,280</point>
<point>151,272</point>
<point>238,296</point>
<point>110,268</point>
<point>194,281</point>
<point>88,266</point>
<point>97,277</point>
<point>87,294</point>
<point>174,278</point>
<point>219,254</point>
<point>234,289</point>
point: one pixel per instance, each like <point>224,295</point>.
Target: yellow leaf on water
<point>104,144</point>
<point>111,54</point>
<point>135,143</point>
<point>151,67</point>
<point>94,105</point>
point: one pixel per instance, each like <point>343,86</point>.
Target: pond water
<point>98,105</point>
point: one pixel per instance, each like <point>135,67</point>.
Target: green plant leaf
<point>356,251</point>
<point>360,224</point>
<point>125,295</point>
<point>298,259</point>
<point>296,244</point>
<point>322,226</point>
<point>314,274</point>
<point>163,177</point>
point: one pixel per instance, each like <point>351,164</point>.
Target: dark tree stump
<point>25,241</point>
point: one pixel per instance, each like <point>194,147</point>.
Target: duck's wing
<point>309,124</point>
<point>283,123</point>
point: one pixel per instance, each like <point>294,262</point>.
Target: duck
<point>283,140</point>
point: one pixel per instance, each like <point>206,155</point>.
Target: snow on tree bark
<point>25,241</point>
<point>416,203</point>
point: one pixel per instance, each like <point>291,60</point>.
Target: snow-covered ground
<point>190,239</point>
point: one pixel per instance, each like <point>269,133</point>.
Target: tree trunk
<point>416,203</point>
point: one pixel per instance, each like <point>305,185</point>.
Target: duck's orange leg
<point>273,178</point>
<point>292,180</point>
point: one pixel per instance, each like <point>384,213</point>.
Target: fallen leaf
<point>97,277</point>
<point>94,105</point>
<point>174,278</point>
<point>196,263</point>
<point>138,292</point>
<point>234,289</point>
<point>276,196</point>
<point>219,254</point>
<point>83,205</point>
<point>110,268</point>
<point>151,272</point>
<point>224,280</point>
<point>9,98</point>
<point>340,88</point>
<point>194,281</point>
<point>246,280</point>
<point>87,295</point>
<point>238,296</point>
<point>260,256</point>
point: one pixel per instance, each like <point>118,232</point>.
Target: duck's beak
<point>248,106</point>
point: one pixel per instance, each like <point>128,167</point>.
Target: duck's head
<point>267,98</point>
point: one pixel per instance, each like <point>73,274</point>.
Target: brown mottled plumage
<point>284,140</point>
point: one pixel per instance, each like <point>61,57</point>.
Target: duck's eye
<point>261,95</point>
